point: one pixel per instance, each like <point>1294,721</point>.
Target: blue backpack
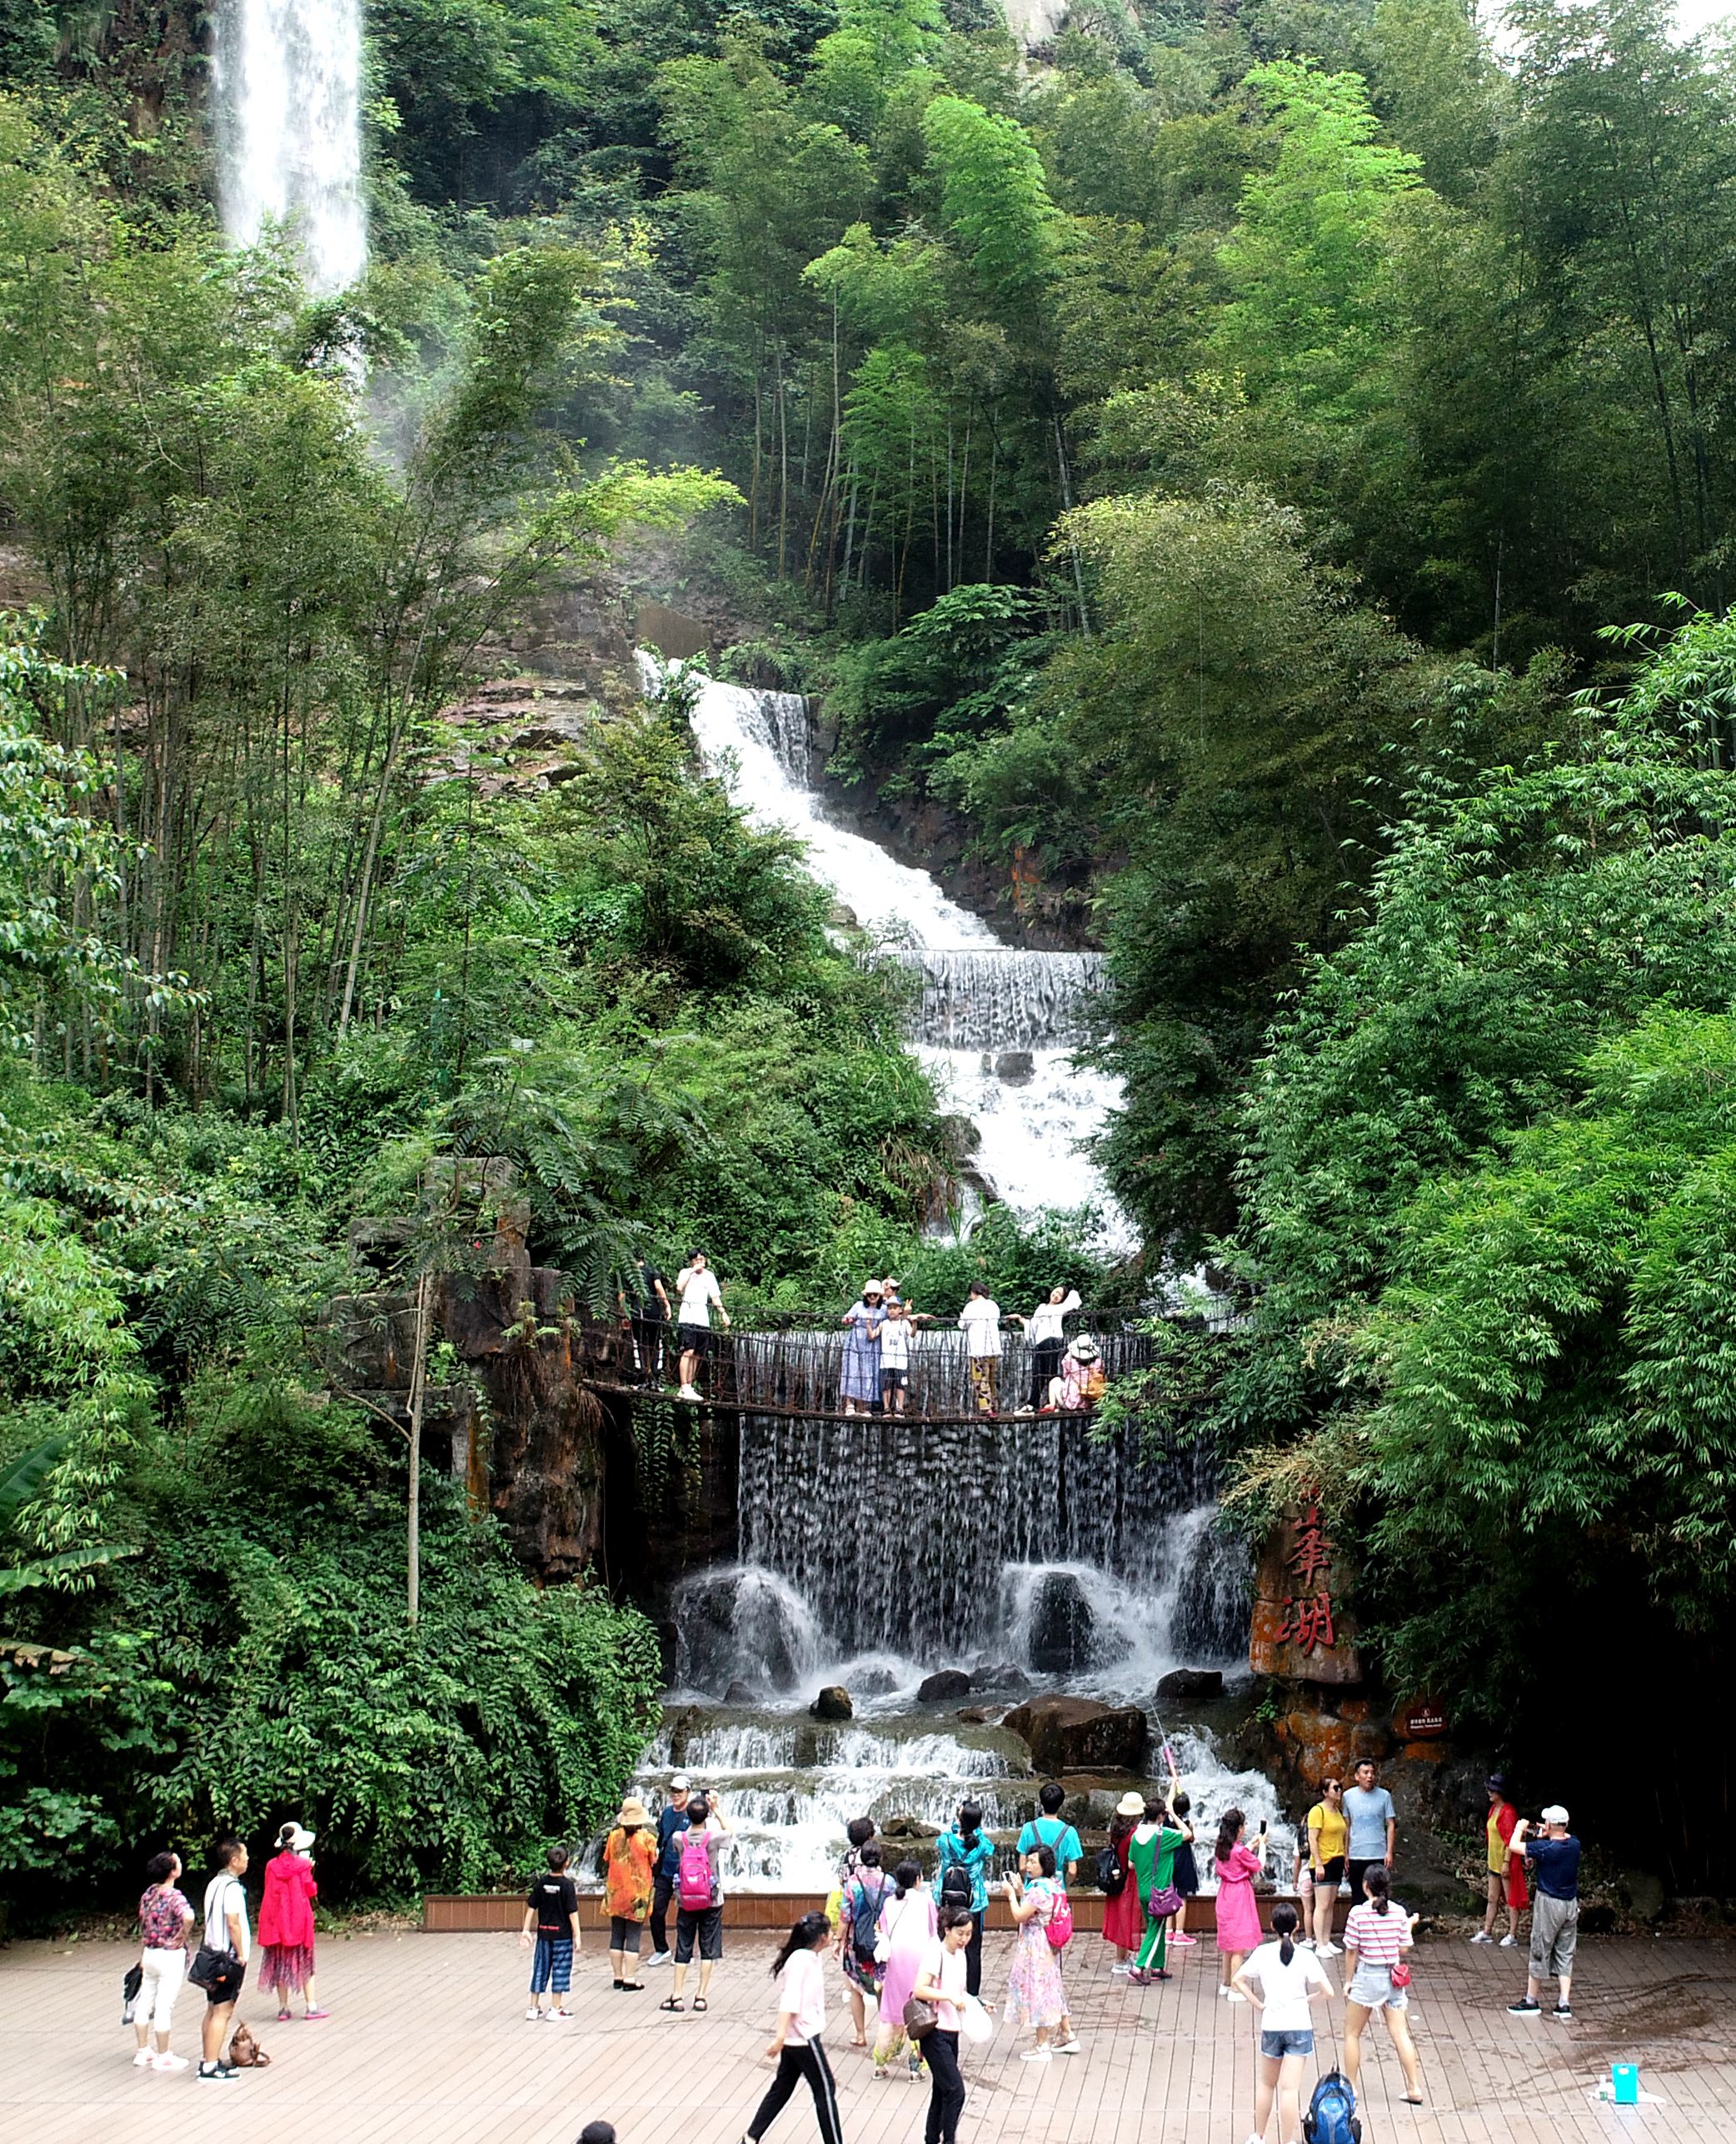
<point>1331,2116</point>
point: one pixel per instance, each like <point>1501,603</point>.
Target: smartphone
<point>1262,1827</point>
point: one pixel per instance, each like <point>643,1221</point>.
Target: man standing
<point>1374,1826</point>
<point>672,1829</point>
<point>1554,1860</point>
<point>225,1931</point>
<point>1052,1829</point>
<point>980,1321</point>
<point>699,1292</point>
<point>644,1304</point>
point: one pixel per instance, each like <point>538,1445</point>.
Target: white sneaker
<point>1483,1935</point>
<point>1327,1951</point>
<point>168,2062</point>
<point>533,2016</point>
<point>1035,2055</point>
<point>1234,1997</point>
<point>1510,1942</point>
<point>688,1392</point>
<point>1119,1972</point>
<point>1073,2047</point>
<point>143,2059</point>
<point>658,1958</point>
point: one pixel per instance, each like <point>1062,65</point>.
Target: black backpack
<point>865,1924</point>
<point>1111,1871</point>
<point>955,1887</point>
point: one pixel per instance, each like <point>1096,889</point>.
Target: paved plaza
<point>427,2044</point>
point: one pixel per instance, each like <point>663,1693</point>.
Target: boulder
<point>945,1683</point>
<point>1190,1686</point>
<point>1062,1629</point>
<point>833,1703</point>
<point>740,1693</point>
<point>1016,1068</point>
<point>1002,1677</point>
<point>974,1716</point>
<point>1077,1734</point>
<point>875,1683</point>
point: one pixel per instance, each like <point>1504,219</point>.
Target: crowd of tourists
<point>909,1946</point>
<point>1067,1376</point>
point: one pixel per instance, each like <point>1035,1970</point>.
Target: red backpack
<point>1060,1927</point>
<point>693,1874</point>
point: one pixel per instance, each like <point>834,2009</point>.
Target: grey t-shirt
<point>1370,1810</point>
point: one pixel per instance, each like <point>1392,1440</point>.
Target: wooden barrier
<point>445,1915</point>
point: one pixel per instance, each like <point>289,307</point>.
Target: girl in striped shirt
<point>1377,1935</point>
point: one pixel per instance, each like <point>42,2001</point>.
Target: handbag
<point>1401,1975</point>
<point>920,2018</point>
<point>1161,1904</point>
<point>209,1965</point>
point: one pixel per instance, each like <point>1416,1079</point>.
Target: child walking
<point>795,2046</point>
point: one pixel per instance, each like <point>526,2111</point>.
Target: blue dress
<point>860,1377</point>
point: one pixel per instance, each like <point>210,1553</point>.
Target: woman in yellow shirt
<point>1329,1835</point>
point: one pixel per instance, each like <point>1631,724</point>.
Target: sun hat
<point>679,1783</point>
<point>633,1811</point>
<point>1554,1814</point>
<point>299,1838</point>
<point>1130,1804</point>
<point>1084,1351</point>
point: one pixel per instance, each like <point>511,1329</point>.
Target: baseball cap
<point>1496,1782</point>
<point>1554,1814</point>
<point>679,1783</point>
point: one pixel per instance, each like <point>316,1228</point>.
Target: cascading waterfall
<point>996,1026</point>
<point>289,82</point>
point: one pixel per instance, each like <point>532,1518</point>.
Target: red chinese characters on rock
<point>1307,1622</point>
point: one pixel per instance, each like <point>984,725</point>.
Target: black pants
<point>946,2087</point>
<point>1357,1871</point>
<point>793,2064</point>
<point>1045,1363</point>
<point>662,1891</point>
<point>648,1338</point>
<point>973,1958</point>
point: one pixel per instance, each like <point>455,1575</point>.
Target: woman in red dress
<point>286,1922</point>
<point>1123,1921</point>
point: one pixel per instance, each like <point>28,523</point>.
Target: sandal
<point>668,2002</point>
<point>701,2003</point>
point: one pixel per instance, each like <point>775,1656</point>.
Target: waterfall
<point>995,1026</point>
<point>288,77</point>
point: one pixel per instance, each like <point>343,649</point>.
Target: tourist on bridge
<point>1236,1865</point>
<point>644,1306</point>
<point>941,1981</point>
<point>859,1380</point>
<point>964,1862</point>
<point>1082,1382</point>
<point>700,1294</point>
<point>1283,1979</point>
<point>1035,1993</point>
<point>1043,1334</point>
<point>907,1926</point>
<point>1123,1908</point>
<point>795,2046</point>
<point>1378,1934</point>
<point>1554,1860</point>
<point>894,1356</point>
<point>1506,1883</point>
<point>980,1321</point>
<point>862,1898</point>
<point>1151,1854</point>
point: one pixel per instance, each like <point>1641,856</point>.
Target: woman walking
<point>966,1856</point>
<point>630,1868</point>
<point>859,1378</point>
<point>1238,1914</point>
<point>1036,1994</point>
<point>795,2046</point>
<point>1283,1979</point>
<point>862,1898</point>
<point>1379,1934</point>
<point>286,1923</point>
<point>941,1981</point>
<point>1329,1839</point>
<point>1122,1928</point>
<point>1155,1858</point>
<point>907,1924</point>
<point>164,1917</point>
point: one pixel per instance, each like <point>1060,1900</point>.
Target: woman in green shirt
<point>1152,1858</point>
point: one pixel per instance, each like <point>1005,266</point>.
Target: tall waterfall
<point>995,1026</point>
<point>289,80</point>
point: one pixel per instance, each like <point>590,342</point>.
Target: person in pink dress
<point>286,1922</point>
<point>907,1927</point>
<point>1238,1912</point>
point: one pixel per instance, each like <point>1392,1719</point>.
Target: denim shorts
<point>1371,1987</point>
<point>1273,2046</point>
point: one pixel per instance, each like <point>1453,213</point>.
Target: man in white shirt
<point>225,1931</point>
<point>696,1286</point>
<point>980,1321</point>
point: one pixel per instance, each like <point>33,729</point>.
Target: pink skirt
<point>286,1965</point>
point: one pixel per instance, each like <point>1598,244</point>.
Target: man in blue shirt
<point>671,1826</point>
<point>1052,1829</point>
<point>1555,1862</point>
<point>1374,1826</point>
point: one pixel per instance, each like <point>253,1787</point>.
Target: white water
<point>289,82</point>
<point>980,999</point>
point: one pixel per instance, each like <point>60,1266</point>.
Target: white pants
<point>164,1971</point>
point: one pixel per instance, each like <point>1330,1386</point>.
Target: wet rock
<point>974,1716</point>
<point>909,1827</point>
<point>1063,1630</point>
<point>739,1693</point>
<point>1190,1686</point>
<point>1077,1734</point>
<point>945,1683</point>
<point>875,1683</point>
<point>833,1703</point>
<point>1016,1068</point>
<point>1005,1677</point>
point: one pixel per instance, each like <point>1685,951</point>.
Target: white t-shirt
<point>980,1322</point>
<point>1284,1987</point>
<point>801,1991</point>
<point>224,1895</point>
<point>1046,1321</point>
<point>947,1970</point>
<point>698,1289</point>
<point>895,1344</point>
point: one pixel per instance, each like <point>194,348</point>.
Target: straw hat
<point>633,1811</point>
<point>1130,1804</point>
